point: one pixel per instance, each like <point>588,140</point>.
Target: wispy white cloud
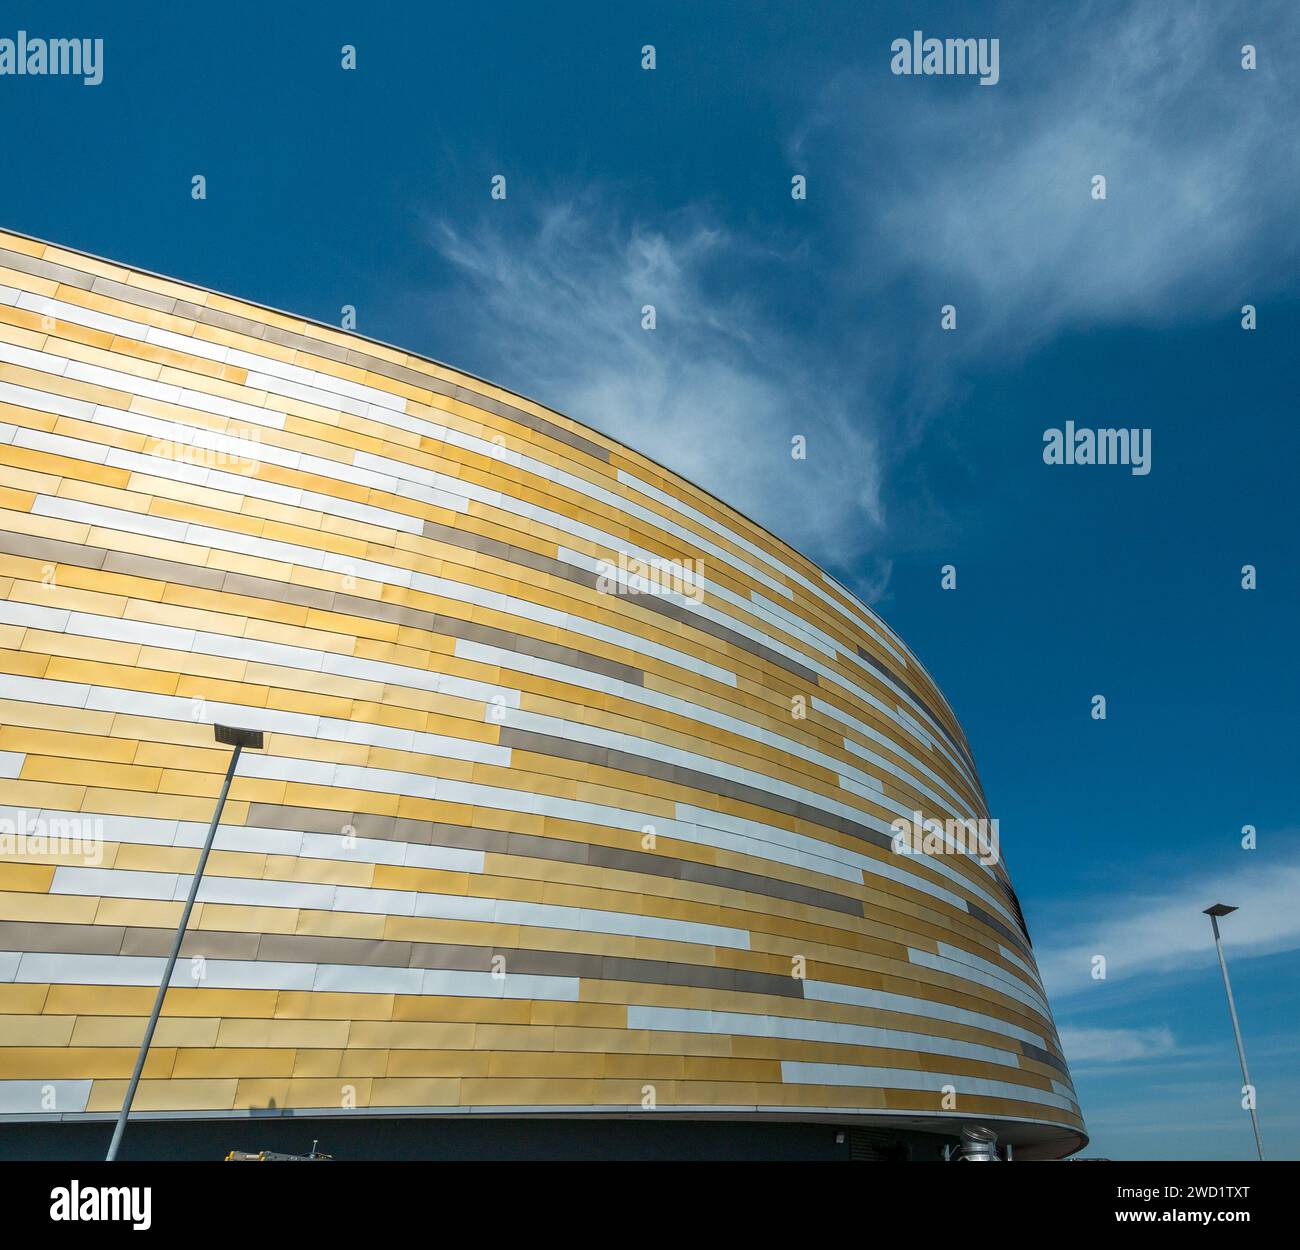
<point>716,391</point>
<point>1162,929</point>
<point>983,195</point>
<point>927,190</point>
<point>1116,1045</point>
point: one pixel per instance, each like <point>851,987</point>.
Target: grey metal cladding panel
<point>752,883</point>
<point>163,570</point>
<point>382,610</point>
<point>305,343</point>
<point>553,963</point>
<point>375,825</point>
<point>768,983</point>
<point>465,837</point>
<point>52,549</point>
<point>1044,1056</point>
<point>703,977</point>
<point>467,539</point>
<point>360,360</point>
<point>134,295</point>
<point>302,819</point>
<point>284,592</point>
<point>236,325</point>
<point>534,846</point>
<point>46,269</point>
<point>651,863</point>
<point>539,424</point>
<point>206,943</point>
<point>446,957</point>
<point>988,918</point>
<point>304,948</point>
<point>215,945</point>
<point>61,939</point>
<point>401,373</point>
<point>645,971</point>
<point>549,744</point>
<point>568,656</point>
<point>278,335</point>
<point>699,976</point>
<point>545,564</point>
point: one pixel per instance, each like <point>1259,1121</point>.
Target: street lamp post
<point>1222,909</point>
<point>228,736</point>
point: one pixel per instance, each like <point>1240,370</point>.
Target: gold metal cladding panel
<point>579,788</point>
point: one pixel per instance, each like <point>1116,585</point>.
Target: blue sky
<point>820,317</point>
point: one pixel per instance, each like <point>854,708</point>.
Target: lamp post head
<point>229,736</point>
<point>1219,909</point>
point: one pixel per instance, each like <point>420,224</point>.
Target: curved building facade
<point>578,798</point>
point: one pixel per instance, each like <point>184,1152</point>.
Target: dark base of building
<point>359,1138</point>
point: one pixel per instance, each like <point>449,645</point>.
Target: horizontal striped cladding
<point>522,835</point>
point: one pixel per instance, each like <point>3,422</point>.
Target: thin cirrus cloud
<point>716,391</point>
<point>933,192</point>
<point>1116,1045</point>
<point>1165,931</point>
<point>983,195</point>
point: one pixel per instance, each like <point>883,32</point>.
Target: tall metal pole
<point>171,959</point>
<point>1236,1032</point>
